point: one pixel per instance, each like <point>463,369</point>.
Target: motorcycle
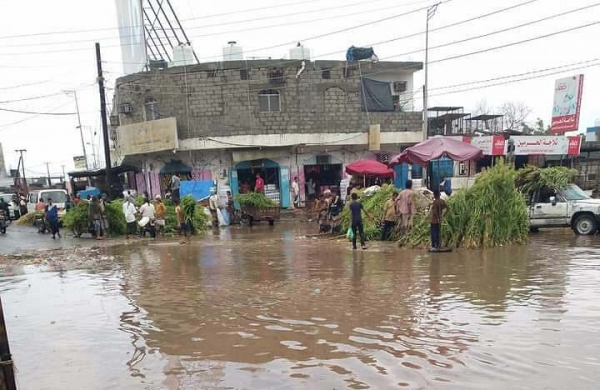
<point>40,222</point>
<point>3,221</point>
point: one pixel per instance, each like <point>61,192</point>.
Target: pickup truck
<point>567,207</point>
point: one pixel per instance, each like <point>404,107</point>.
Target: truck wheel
<point>585,225</point>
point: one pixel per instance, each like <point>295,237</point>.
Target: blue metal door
<point>440,169</point>
<point>235,186</point>
<point>284,186</point>
<point>401,175</point>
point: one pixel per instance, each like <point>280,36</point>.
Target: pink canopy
<point>369,168</point>
<point>434,149</point>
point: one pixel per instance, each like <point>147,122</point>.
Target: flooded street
<point>270,309</point>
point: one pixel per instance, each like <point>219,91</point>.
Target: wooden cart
<point>250,215</point>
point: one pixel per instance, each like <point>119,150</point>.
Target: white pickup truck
<point>568,207</point>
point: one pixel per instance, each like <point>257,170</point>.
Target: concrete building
<point>227,121</point>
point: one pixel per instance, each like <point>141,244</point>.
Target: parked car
<point>12,207</point>
<point>59,197</point>
<point>568,207</point>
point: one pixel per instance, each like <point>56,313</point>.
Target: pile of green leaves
<point>255,200</point>
<point>531,178</point>
<point>374,205</point>
<point>77,217</point>
<point>192,214</point>
<point>490,213</point>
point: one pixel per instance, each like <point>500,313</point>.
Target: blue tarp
<point>90,191</point>
<point>199,189</point>
<point>359,53</point>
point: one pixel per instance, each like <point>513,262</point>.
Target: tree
<point>538,127</point>
<point>482,107</point>
<point>515,115</point>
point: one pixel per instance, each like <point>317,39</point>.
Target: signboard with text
<point>567,104</point>
<point>79,162</point>
<point>491,146</point>
<point>527,145</point>
<point>147,137</point>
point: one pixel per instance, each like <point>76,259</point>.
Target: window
<point>326,74</point>
<point>268,101</point>
<point>399,86</point>
<point>152,110</point>
<point>244,74</point>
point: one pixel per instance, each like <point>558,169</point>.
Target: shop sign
<point>79,162</point>
<point>574,148</point>
<point>542,145</point>
<point>567,104</point>
<point>491,146</point>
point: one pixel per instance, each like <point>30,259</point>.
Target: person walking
<point>311,187</point>
<point>183,226</point>
<point>406,207</point>
<point>213,206</point>
<point>259,184</point>
<point>52,218</point>
<point>95,215</point>
<point>148,213</point>
<point>175,186</point>
<point>103,205</point>
<point>336,206</point>
<point>389,217</point>
<point>436,213</point>
<point>356,209</point>
<point>295,193</point>
<point>129,211</point>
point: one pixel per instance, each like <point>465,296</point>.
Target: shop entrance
<point>325,176</point>
<point>269,170</point>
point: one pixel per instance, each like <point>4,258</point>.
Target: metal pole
<point>430,13</point>
<point>104,121</point>
<point>87,167</point>
<point>6,363</point>
<point>48,172</point>
<point>64,174</point>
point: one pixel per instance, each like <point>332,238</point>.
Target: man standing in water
<point>356,209</point>
<point>52,217</point>
<point>175,185</point>
<point>406,207</point>
<point>436,213</point>
<point>389,217</point>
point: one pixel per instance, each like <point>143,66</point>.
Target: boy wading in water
<point>436,213</point>
<point>356,209</point>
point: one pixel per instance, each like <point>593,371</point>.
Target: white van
<point>59,198</point>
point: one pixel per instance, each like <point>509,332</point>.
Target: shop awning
<point>175,166</point>
<point>369,168</point>
<point>436,148</point>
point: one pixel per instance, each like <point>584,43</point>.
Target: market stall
<point>369,169</point>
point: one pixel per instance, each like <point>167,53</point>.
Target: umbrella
<point>435,148</point>
<point>369,168</point>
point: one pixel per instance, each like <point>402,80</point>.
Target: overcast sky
<point>51,63</point>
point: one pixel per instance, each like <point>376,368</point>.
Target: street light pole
<point>430,13</point>
<point>74,92</point>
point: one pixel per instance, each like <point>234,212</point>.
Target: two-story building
<point>227,121</point>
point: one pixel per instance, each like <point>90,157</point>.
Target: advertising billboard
<point>79,162</point>
<point>131,33</point>
<point>567,104</point>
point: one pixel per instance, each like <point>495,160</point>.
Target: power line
<point>31,98</point>
<point>37,112</point>
<point>23,85</point>
<point>183,20</point>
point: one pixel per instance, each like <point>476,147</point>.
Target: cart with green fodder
<point>255,207</point>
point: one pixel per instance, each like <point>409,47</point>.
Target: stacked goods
<point>531,179</point>
<point>373,204</point>
<point>491,213</point>
<point>271,192</point>
<point>77,218</point>
<point>255,200</point>
<point>192,214</point>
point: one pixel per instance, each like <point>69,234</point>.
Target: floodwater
<point>268,309</point>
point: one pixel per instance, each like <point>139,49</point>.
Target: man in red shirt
<point>259,185</point>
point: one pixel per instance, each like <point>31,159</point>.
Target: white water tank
<point>183,55</point>
<point>233,52</point>
<point>300,53</point>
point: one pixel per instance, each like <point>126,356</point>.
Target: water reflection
<point>265,309</point>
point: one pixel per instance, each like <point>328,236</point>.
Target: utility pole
<point>48,172</point>
<point>109,178</point>
<point>430,13</point>
<point>64,176</point>
<point>74,92</point>
<point>23,181</point>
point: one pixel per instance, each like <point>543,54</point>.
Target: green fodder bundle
<point>374,205</point>
<point>531,178</point>
<point>255,199</point>
<point>26,220</point>
<point>192,214</point>
<point>77,218</point>
<point>491,213</point>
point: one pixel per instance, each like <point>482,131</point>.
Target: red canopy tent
<point>436,148</point>
<point>366,168</point>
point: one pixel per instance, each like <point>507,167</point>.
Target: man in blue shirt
<point>52,218</point>
<point>356,209</point>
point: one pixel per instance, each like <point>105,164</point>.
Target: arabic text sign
<point>574,146</point>
<point>491,146</point>
<point>79,162</point>
<point>147,137</point>
<point>526,145</point>
<point>567,104</point>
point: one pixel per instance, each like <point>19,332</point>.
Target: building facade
<point>227,121</point>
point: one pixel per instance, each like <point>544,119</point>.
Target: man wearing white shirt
<point>129,211</point>
<point>296,192</point>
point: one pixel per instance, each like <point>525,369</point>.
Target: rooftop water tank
<point>233,52</point>
<point>300,53</point>
<point>183,55</point>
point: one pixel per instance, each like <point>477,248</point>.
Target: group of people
<point>400,210</point>
<point>329,208</point>
<point>151,217</point>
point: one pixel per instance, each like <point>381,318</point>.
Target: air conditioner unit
<point>125,108</point>
<point>114,120</point>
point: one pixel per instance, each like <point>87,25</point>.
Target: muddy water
<point>254,311</point>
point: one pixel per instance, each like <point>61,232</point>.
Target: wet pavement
<point>271,309</point>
